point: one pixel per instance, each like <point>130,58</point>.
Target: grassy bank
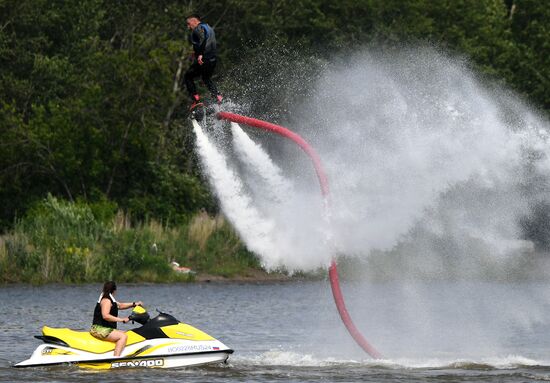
<point>59,241</point>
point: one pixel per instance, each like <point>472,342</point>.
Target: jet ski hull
<point>167,355</point>
<point>162,342</point>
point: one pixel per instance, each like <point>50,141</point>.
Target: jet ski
<point>161,342</point>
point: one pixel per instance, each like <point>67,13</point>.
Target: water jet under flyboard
<point>251,224</point>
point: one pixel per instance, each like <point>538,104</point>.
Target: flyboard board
<point>203,109</point>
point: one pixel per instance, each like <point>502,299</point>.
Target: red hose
<point>333,271</point>
<point>285,133</point>
<point>344,314</point>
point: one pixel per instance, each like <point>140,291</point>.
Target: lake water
<point>291,332</point>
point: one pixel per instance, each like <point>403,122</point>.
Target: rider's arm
<point>199,40</point>
<point>127,305</point>
<point>105,312</point>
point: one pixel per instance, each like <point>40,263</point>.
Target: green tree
<point>90,104</point>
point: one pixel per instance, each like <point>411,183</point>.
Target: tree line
<point>91,105</point>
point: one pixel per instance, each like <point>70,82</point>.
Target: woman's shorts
<point>100,332</point>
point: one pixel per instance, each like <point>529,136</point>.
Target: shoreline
<point>252,275</point>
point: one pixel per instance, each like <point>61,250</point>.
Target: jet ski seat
<point>83,340</point>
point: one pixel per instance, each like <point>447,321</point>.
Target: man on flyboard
<point>203,39</point>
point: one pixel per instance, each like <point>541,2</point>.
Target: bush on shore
<point>60,241</point>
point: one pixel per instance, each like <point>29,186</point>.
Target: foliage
<point>91,108</point>
<point>55,242</point>
<point>214,245</point>
<point>85,91</point>
<point>60,241</point>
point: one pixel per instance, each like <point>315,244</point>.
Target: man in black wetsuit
<point>203,39</point>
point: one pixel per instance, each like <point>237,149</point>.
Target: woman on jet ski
<point>106,317</point>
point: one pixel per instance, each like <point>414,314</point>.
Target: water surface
<point>291,332</point>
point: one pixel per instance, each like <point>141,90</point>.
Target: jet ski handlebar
<point>140,315</point>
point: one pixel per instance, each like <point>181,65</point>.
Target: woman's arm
<point>128,305</point>
<point>105,312</point>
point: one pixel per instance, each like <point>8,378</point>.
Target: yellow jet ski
<point>161,342</point>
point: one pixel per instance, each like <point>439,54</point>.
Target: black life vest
<point>98,318</point>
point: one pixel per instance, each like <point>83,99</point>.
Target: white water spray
<point>431,175</point>
<point>252,227</point>
<point>277,222</point>
<point>266,177</point>
<point>425,161</point>
<point>422,159</point>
